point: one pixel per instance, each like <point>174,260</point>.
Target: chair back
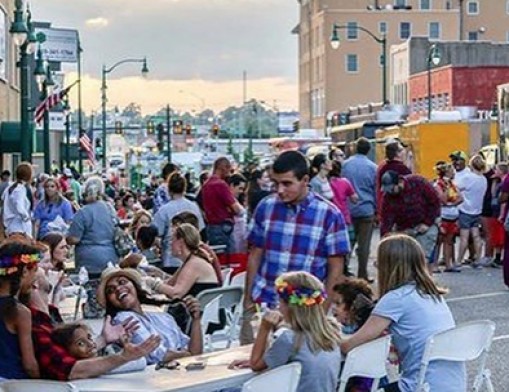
<point>238,280</point>
<point>281,379</point>
<point>226,274</point>
<point>37,386</point>
<point>367,360</point>
<point>230,297</point>
<point>210,313</point>
<point>465,342</point>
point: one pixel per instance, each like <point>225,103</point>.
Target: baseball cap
<point>388,180</point>
<point>67,172</point>
<point>458,154</point>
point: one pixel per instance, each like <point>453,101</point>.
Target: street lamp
<point>45,81</point>
<point>382,40</point>
<point>23,36</point>
<point>67,113</point>
<point>434,58</point>
<point>106,71</point>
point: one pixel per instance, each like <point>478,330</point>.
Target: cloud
<point>212,41</point>
<point>183,95</point>
<point>97,23</point>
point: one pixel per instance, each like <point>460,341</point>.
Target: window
<point>473,35</point>
<point>405,29</point>
<point>434,30</point>
<point>382,27</point>
<point>473,7</point>
<point>352,63</point>
<point>425,4</point>
<point>448,5</point>
<point>400,3</point>
<point>351,32</point>
<point>507,7</point>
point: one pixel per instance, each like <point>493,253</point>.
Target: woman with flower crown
<point>310,338</point>
<point>18,263</point>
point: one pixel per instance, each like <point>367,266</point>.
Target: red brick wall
<point>466,86</point>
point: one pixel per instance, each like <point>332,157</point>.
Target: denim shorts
<point>467,221</point>
<point>428,241</point>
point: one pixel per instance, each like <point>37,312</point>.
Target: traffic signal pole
<point>168,130</point>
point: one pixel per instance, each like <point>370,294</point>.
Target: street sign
<point>59,45</point>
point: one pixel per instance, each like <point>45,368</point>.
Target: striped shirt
<point>295,238</point>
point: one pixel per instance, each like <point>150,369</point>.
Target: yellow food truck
<point>429,142</point>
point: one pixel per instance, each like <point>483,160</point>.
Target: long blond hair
<point>310,322</point>
<point>401,261</point>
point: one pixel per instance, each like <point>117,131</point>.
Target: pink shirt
<point>342,189</point>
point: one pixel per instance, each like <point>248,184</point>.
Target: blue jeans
<point>221,235</point>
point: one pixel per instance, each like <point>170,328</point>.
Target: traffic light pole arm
<point>108,70</point>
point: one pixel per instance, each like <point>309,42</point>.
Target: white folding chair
<point>226,274</point>
<point>463,343</point>
<point>209,316</point>
<point>367,360</point>
<point>281,379</point>
<point>37,386</point>
<point>231,299</point>
<point>238,280</point>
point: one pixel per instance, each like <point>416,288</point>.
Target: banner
<point>3,44</point>
<point>286,122</point>
<point>60,45</point>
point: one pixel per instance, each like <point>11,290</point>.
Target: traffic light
<point>119,128</point>
<point>177,127</point>
<point>296,126</point>
<point>189,129</point>
<point>150,128</point>
<point>215,129</point>
<point>98,147</point>
<point>160,136</point>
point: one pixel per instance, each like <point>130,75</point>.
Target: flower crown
<point>300,296</point>
<point>10,264</point>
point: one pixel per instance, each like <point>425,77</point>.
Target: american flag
<point>87,144</point>
<point>49,103</point>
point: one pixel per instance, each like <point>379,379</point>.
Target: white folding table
<point>216,375</point>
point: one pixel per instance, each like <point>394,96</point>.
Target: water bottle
<point>83,276</point>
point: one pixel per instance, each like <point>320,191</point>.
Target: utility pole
<point>168,130</point>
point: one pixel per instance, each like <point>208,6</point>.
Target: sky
<point>197,50</point>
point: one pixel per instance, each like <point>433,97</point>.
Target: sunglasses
<point>171,365</point>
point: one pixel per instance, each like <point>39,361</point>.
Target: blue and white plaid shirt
<point>295,238</point>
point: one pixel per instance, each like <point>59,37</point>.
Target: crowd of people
<point>294,223</point>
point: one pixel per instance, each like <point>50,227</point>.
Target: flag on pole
<point>50,102</point>
<point>87,144</point>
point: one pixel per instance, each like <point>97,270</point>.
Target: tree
<point>132,112</point>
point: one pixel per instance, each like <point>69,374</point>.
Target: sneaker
<point>453,269</point>
<point>476,265</point>
<point>485,261</point>
<point>496,264</point>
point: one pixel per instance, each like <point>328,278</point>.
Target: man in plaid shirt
<point>294,230</point>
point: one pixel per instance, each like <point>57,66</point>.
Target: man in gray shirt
<point>162,219</point>
<point>361,172</point>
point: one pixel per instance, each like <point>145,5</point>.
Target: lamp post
<point>45,81</point>
<point>382,40</point>
<point>67,114</point>
<point>433,58</point>
<point>104,99</point>
<point>24,37</point>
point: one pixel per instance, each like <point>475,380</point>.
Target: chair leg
<point>487,378</point>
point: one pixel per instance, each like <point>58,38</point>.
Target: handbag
<point>122,241</point>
